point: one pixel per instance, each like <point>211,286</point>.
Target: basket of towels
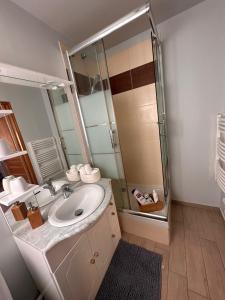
<point>83,172</point>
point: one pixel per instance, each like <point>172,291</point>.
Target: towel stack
<point>83,172</point>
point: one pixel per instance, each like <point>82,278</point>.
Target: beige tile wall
<point>136,115</point>
<point>130,54</point>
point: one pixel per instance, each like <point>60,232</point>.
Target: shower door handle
<point>111,134</point>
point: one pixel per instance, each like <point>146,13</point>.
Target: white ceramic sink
<point>87,198</point>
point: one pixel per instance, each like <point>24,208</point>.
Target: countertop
<point>47,236</point>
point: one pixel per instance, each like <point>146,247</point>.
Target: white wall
<point>30,112</point>
<point>194,58</point>
<point>26,42</point>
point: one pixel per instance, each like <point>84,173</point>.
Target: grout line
<point>207,298</point>
<point>185,257</point>
<point>205,268</point>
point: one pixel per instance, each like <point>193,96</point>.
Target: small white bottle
<point>155,196</point>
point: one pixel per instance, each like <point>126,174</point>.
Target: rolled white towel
<point>4,290</point>
<point>82,171</point>
<point>88,169</point>
<point>73,167</point>
<point>79,167</point>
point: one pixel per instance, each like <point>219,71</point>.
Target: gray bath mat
<point>134,273</point>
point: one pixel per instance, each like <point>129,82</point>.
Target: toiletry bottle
<point>140,197</point>
<point>34,216</point>
<point>19,211</point>
<point>149,197</point>
<point>155,196</point>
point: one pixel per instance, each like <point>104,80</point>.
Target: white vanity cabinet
<point>77,276</point>
<point>75,267</point>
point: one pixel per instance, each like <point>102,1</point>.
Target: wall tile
<point>140,53</point>
<point>121,83</point>
<point>143,75</point>
<point>136,115</point>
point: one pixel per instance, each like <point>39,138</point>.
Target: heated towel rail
<point>220,152</point>
<point>45,158</point>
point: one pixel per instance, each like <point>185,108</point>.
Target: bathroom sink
<point>79,205</point>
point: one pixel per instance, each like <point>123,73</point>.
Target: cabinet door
<point>77,276</point>
<point>114,222</point>
<point>101,244</point>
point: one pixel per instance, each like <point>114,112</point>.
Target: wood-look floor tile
<point>177,287</point>
<point>214,270</point>
<point>177,214</point>
<point>165,255</point>
<point>177,261</point>
<point>165,271</point>
<point>162,246</point>
<point>190,218</point>
<point>194,296</point>
<point>216,216</point>
<point>196,274</point>
<point>148,244</point>
<point>219,230</point>
<point>205,226</point>
<point>125,236</point>
<point>133,239</point>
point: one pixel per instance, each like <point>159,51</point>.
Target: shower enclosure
<point>119,95</point>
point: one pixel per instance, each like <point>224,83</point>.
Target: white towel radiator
<point>45,159</point>
<point>220,157</point>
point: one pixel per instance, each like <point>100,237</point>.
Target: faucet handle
<point>49,182</point>
<point>66,187</point>
<point>67,191</point>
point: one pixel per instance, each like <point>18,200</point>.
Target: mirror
<point>40,118</point>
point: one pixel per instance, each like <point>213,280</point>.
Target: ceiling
<point>79,19</point>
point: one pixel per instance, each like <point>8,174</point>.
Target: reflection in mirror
<point>67,132</point>
<point>40,118</point>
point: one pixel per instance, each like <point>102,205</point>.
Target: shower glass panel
<point>131,71</point>
<point>67,132</point>
<point>90,73</point>
<point>120,89</point>
<point>157,56</point>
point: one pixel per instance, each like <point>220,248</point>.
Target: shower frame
<point>145,9</point>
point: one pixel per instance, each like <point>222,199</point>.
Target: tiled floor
<point>194,264</point>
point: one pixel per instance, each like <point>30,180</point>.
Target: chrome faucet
<point>49,186</point>
<point>67,191</point>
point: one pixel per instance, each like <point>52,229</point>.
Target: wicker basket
<point>151,207</point>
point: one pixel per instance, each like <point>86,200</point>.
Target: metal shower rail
<point>145,9</point>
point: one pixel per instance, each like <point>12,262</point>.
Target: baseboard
<point>197,205</point>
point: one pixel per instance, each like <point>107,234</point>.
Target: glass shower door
<point>65,125</point>
<point>157,56</point>
<point>90,73</point>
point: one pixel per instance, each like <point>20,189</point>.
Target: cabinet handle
<point>113,213</point>
<point>113,235</point>
<point>96,254</point>
<point>110,203</point>
<point>92,261</point>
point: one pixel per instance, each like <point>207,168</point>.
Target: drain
<point>78,212</point>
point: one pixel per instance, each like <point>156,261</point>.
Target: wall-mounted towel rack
<point>45,158</point>
<point>220,152</point>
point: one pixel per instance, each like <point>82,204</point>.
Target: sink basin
<point>80,204</point>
